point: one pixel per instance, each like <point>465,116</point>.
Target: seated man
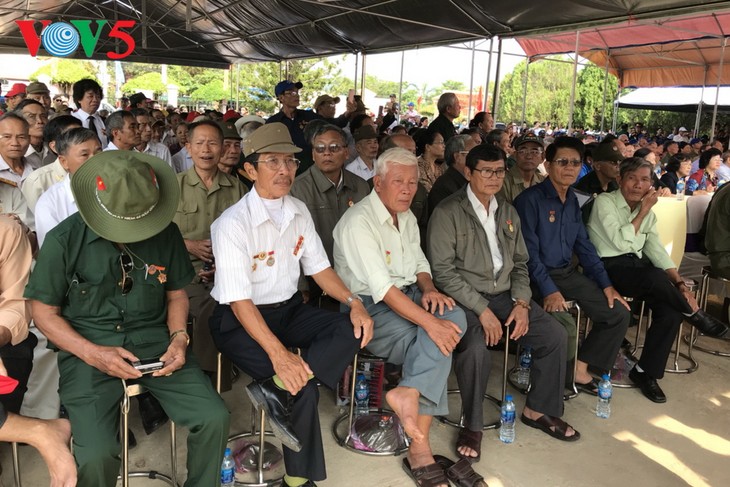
<point>259,244</point>
<point>378,253</point>
<point>107,290</point>
<point>623,229</point>
<point>453,179</point>
<point>553,232</point>
<point>716,229</point>
<point>479,257</point>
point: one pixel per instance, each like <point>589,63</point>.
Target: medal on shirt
<point>350,202</point>
<point>270,261</point>
<point>509,226</point>
<point>298,246</point>
<point>387,257</point>
<point>253,267</point>
<point>260,256</point>
<point>551,218</point>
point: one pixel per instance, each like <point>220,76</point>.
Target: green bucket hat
<point>126,196</point>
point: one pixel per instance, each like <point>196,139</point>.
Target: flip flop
<point>460,473</point>
<point>545,422</point>
<point>431,475</point>
<point>469,439</point>
<point>590,388</point>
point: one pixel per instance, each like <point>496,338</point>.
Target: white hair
<point>396,155</point>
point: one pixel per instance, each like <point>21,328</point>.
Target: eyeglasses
<point>487,173</point>
<point>532,152</point>
<point>275,164</point>
<point>127,264</point>
<point>465,152</point>
<point>565,162</point>
<point>333,148</point>
<point>291,93</point>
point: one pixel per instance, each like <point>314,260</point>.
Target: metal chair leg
<point>16,464</point>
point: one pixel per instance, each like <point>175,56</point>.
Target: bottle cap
<point>508,398</point>
<point>228,452</point>
<point>606,377</point>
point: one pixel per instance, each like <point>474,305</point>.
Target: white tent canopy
<point>676,99</point>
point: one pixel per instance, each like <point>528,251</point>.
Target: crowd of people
<point>288,244</point>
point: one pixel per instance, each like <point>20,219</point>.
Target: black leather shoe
<point>153,416</point>
<point>648,385</point>
<point>131,440</point>
<point>707,324</point>
<point>276,403</point>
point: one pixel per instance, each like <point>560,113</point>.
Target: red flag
<point>480,100</point>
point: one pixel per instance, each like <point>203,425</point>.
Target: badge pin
<point>270,261</point>
<point>551,218</point>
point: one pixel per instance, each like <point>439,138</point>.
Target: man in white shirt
<point>259,245</point>
<point>123,131</point>
<point>377,252</point>
<point>146,144</point>
<point>14,141</point>
<point>87,95</point>
<point>366,144</point>
<point>37,117</point>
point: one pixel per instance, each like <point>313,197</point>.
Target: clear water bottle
<point>605,391</point>
<point>362,393</point>
<point>507,418</point>
<point>228,470</point>
<point>681,184</point>
<point>523,371</point>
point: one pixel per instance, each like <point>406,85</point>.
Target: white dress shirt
<point>256,260</point>
<point>358,167</point>
<point>182,161</point>
<point>99,124</point>
<point>53,207</point>
<point>158,150</point>
<point>7,173</point>
<point>486,218</point>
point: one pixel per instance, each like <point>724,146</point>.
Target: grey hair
<point>445,101</point>
<point>396,155</point>
<point>456,144</point>
<point>115,121</point>
<point>633,164</point>
<point>16,116</point>
<point>73,137</point>
<point>328,127</point>
<point>248,128</point>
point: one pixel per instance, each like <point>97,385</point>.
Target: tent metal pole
<point>400,85</point>
<point>471,79</point>
<point>495,97</point>
<point>362,75</point>
<point>700,103</point>
<point>489,72</point>
<point>605,87</point>
<point>572,88</point>
<point>357,62</point>
<point>717,88</point>
<point>615,111</point>
<point>524,90</point>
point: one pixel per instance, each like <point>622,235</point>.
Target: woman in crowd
<point>430,149</point>
<point>704,179</point>
<point>484,123</point>
<point>678,167</point>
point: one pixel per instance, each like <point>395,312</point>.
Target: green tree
<point>452,85</point>
<point>210,92</point>
<point>148,81</point>
<point>591,97</point>
<point>65,72</point>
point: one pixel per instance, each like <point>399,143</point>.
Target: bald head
<point>403,141</point>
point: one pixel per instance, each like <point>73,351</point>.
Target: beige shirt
<point>372,255</point>
<point>514,183</point>
<point>40,180</point>
<point>15,260</point>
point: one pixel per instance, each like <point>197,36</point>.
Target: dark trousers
<point>472,363</point>
<point>328,345</point>
<point>18,360</point>
<point>639,279</point>
<point>602,344</point>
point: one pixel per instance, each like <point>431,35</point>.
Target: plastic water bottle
<point>605,391</point>
<point>523,371</point>
<point>680,189</point>
<point>362,392</point>
<point>507,418</point>
<point>228,470</point>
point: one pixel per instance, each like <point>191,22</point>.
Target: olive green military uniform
<point>81,272</point>
<point>514,184</point>
<point>197,210</point>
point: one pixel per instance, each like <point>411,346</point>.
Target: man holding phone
<point>107,291</point>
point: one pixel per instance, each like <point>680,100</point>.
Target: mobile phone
<point>148,365</point>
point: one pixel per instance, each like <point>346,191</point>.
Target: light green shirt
<point>372,255</point>
<point>612,233</point>
<point>514,183</point>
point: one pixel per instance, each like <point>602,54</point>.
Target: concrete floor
<point>683,442</point>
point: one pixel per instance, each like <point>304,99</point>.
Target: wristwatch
<point>178,332</point>
<point>351,298</point>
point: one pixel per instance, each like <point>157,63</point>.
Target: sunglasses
<point>125,261</point>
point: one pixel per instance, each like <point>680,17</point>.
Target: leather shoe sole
<point>281,431</point>
<point>649,386</point>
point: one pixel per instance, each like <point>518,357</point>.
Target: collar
<point>382,215</point>
<point>258,212</point>
<point>493,205</point>
<point>193,179</point>
<point>4,166</point>
<point>549,190</point>
<point>323,183</point>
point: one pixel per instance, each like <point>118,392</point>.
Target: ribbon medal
<point>509,225</point>
<point>387,257</point>
<point>270,261</point>
<point>551,218</point>
<point>350,202</point>
<point>298,246</point>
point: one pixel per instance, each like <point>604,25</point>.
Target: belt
<point>273,305</point>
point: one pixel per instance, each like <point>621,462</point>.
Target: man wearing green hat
<point>260,244</point>
<point>109,290</point>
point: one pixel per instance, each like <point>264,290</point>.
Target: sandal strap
<point>553,422</point>
<point>431,475</point>
<point>462,474</point>
<point>470,439</point>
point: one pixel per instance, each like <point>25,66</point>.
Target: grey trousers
<point>472,363</point>
<point>399,341</point>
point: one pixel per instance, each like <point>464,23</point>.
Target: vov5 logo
<point>62,39</point>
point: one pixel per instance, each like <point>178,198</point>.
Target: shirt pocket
<point>187,216</point>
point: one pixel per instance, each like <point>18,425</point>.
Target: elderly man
<point>606,158</point>
<point>295,119</point>
<point>39,92</point>
<point>554,232</point>
<point>378,253</point>
<point>146,144</point>
<point>14,142</point>
<point>366,145</point>
<point>205,192</point>
<point>87,95</point>
<point>107,291</point>
<point>623,229</point>
<point>123,131</point>
<point>259,245</point>
<point>449,109</point>
<point>454,178</point>
<point>478,257</point>
<point>15,95</point>
<point>529,150</point>
<point>35,114</point>
<point>231,154</point>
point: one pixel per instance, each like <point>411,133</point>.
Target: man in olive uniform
<point>205,192</point>
<point>108,289</point>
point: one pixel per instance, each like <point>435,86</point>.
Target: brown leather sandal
<point>460,473</point>
<point>469,439</point>
<point>545,423</point>
<point>431,475</point>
